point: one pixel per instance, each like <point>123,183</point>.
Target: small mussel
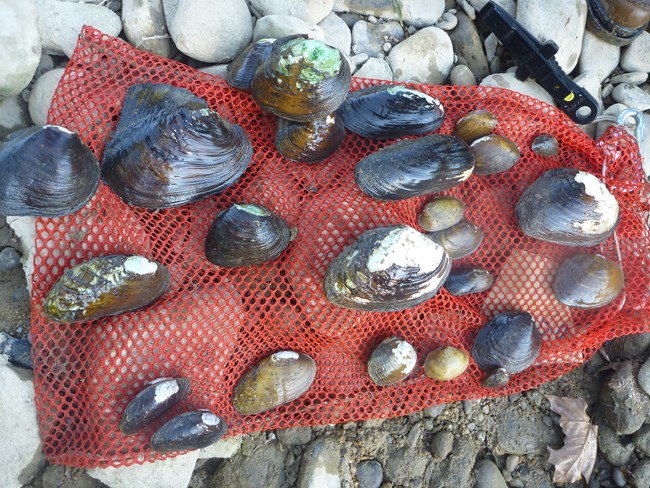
<point>415,167</point>
<point>277,379</point>
<point>387,269</point>
<point>446,363</point>
<point>188,431</point>
<point>108,285</point>
<point>169,149</point>
<point>475,124</point>
<point>459,240</point>
<point>493,154</point>
<point>242,69</point>
<point>392,361</point>
<point>46,171</point>
<point>309,142</point>
<point>464,281</point>
<point>497,378</point>
<point>588,281</point>
<point>244,235</point>
<point>569,207</point>
<point>157,398</point>
<point>441,213</point>
<point>387,112</point>
<point>545,145</point>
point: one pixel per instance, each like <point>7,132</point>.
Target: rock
<point>425,57</point>
<point>636,56</point>
<point>375,68</point>
<point>632,96</point>
<point>336,33</point>
<point>641,473</point>
<point>511,462</point>
<point>41,95</point>
<point>613,111</point>
<point>641,440</point>
<point>434,411</point>
<point>25,230</point>
<point>58,476</point>
<point>277,26</point>
<point>212,31</point>
<point>461,75</point>
<point>217,70</point>
<point>223,448</point>
<point>263,467</point>
<point>17,351</point>
<point>21,45</point>
<point>559,21</point>
<point>294,436</point>
<point>369,474</point>
<point>635,78</point>
<point>520,433</point>
<point>467,44</point>
<point>311,11</point>
<point>598,55</point>
<point>404,465</point>
<point>629,346</point>
<point>528,87</point>
<point>590,81</point>
<point>488,475</point>
<point>44,65</point>
<point>62,25</point>
<point>618,478</point>
<point>644,377</point>
<point>491,42</point>
<point>441,444</point>
<point>456,469</point>
<point>418,13</point>
<point>9,259</point>
<point>14,115</point>
<point>145,27</point>
<point>623,405</point>
<point>508,5</point>
<point>447,22</point>
<point>369,38</point>
<point>320,467</point>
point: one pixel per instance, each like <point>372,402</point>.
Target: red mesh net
<point>214,324</point>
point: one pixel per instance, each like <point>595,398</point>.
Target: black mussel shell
<point>244,235</point>
<point>464,281</point>
<point>509,341</point>
<point>242,69</point>
<point>188,431</point>
<point>169,149</point>
<point>493,154</point>
<point>47,172</point>
<point>387,269</point>
<point>309,142</point>
<point>387,112</point>
<point>158,397</point>
<point>415,167</point>
<point>569,207</point>
<point>459,240</point>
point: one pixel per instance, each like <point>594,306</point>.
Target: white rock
<point>461,75</point>
<point>426,57</point>
<point>598,55</point>
<point>636,56</point>
<point>41,95</point>
<point>145,27</point>
<point>359,59</point>
<point>25,230</point>
<point>490,43</point>
<point>418,13</point>
<point>508,5</point>
<point>635,78</point>
<point>369,38</point>
<point>213,31</point>
<point>632,96</point>
<point>320,466</point>
<point>375,68</point>
<point>467,8</point>
<point>14,115</point>
<point>557,20</point>
<point>336,33</point>
<point>607,90</point>
<point>277,26</point>
<point>611,111</point>
<point>528,87</point>
<point>217,70</point>
<point>20,45</point>
<point>311,11</point>
<point>60,23</point>
<point>590,81</point>
<point>447,22</point>
<point>224,448</point>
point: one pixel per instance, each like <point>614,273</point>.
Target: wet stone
<point>623,405</point>
<point>619,478</point>
<point>441,444</point>
<point>9,259</point>
<point>641,473</point>
<point>369,474</point>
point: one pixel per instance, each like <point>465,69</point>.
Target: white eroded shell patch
<point>165,390</point>
<point>140,265</point>
<point>407,248</point>
<point>392,361</point>
<point>606,205</point>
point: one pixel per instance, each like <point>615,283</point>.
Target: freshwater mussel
<point>441,213</point>
<point>46,171</point>
<point>493,154</point>
<point>475,124</point>
<point>309,142</point>
<point>459,240</point>
<point>104,286</point>
<point>388,111</point>
<point>169,149</point>
<point>242,69</point>
<point>446,363</point>
<point>545,145</point>
<point>387,269</point>
<point>466,280</point>
<point>188,431</point>
<point>392,361</point>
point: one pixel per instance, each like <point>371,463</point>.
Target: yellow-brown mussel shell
<point>309,142</point>
<point>446,363</point>
<point>459,240</point>
<point>475,124</point>
<point>441,213</point>
<point>493,154</point>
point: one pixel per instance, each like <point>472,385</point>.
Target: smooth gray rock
<point>14,115</point>
<point>20,43</point>
<point>434,411</point>
<point>441,444</point>
<point>447,22</point>
<point>512,461</point>
<point>418,13</point>
<point>528,87</point>
<point>294,436</point>
<point>632,96</point>
<point>461,75</point>
<point>40,98</point>
<point>521,433</point>
<point>59,476</point>
<point>369,474</point>
<point>641,473</point>
<point>375,68</point>
<point>336,33</point>
<point>9,259</point>
<point>217,70</point>
<point>629,346</point>
<point>619,478</point>
<point>598,55</point>
<point>641,440</point>
<point>277,26</point>
<point>488,475</point>
<point>145,27</point>
<point>623,405</point>
<point>263,467</point>
<point>644,377</point>
<point>223,448</point>
<point>590,81</point>
<point>468,44</point>
<point>369,38</point>
<point>320,467</point>
<point>635,78</point>
<point>636,56</point>
<point>425,57</point>
<point>311,11</point>
<point>405,464</point>
<point>508,5</point>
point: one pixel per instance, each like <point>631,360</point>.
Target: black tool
<point>537,60</point>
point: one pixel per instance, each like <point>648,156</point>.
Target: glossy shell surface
<point>475,124</point>
<point>103,286</point>
<point>309,142</point>
<point>391,361</point>
<point>446,363</point>
<point>493,154</point>
<point>242,69</point>
<point>387,269</point>
<point>169,149</point>
<point>46,171</point>
<point>545,145</point>
<point>464,281</point>
<point>441,213</point>
<point>188,431</point>
<point>459,240</point>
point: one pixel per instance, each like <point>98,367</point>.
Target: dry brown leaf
<point>578,455</point>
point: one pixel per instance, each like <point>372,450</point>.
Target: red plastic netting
<point>215,324</point>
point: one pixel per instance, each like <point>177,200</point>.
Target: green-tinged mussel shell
<point>446,363</point>
<point>441,213</point>
<point>242,69</point>
<point>493,154</point>
<point>475,124</point>
<point>392,361</point>
<point>188,431</point>
<point>464,281</point>
<point>309,142</point>
<point>459,240</point>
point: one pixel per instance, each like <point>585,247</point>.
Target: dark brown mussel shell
<point>309,142</point>
<point>154,400</point>
<point>169,149</point>
<point>588,281</point>
<point>387,269</point>
<point>459,240</point>
<point>493,154</point>
<point>464,281</point>
<point>569,207</point>
<point>188,431</point>
<point>545,145</point>
<point>390,111</point>
<point>303,79</point>
<point>103,286</point>
<point>242,69</point>
<point>415,167</point>
<point>47,172</point>
<point>475,124</point>
<point>441,213</point>
<point>244,235</point>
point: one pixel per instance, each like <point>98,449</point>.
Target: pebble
<point>636,56</point>
<point>277,26</point>
<point>311,11</point>
<point>416,13</point>
<point>9,259</point>
<point>44,65</point>
<point>632,96</point>
<point>414,436</point>
<point>360,58</point>
<point>611,446</point>
<point>294,436</point>
<point>528,87</point>
<point>491,43</point>
<point>641,473</point>
<point>336,33</point>
<point>489,476</point>
<point>590,81</point>
<point>635,78</point>
<point>598,55</point>
<point>21,45</point>
<point>434,411</point>
<point>467,43</point>
<point>145,28</point>
<point>461,75</point>
<point>619,478</point>
<point>426,57</point>
<point>456,469</point>
<point>441,444</point>
<point>386,47</point>
<point>369,474</point>
<point>14,115</point>
<point>41,95</point>
<point>641,440</point>
<point>467,8</point>
<point>627,347</point>
<point>512,461</point>
<point>369,38</point>
<point>447,22</point>
<point>216,70</point>
<point>403,465</point>
<point>623,405</point>
<point>222,449</point>
<point>520,433</point>
<point>320,464</point>
<point>607,90</point>
<point>263,467</point>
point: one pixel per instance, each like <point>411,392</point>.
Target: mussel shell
<point>475,124</point>
<point>545,145</point>
<point>46,171</point>
<point>446,363</point>
<point>588,281</point>
<point>510,341</point>
<point>103,286</point>
<point>303,79</point>
<point>464,281</point>
<point>496,379</point>
<point>277,379</point>
<point>569,207</point>
<point>415,167</point>
<point>309,142</point>
<point>244,235</point>
<point>169,149</point>
<point>441,213</point>
<point>459,240</point>
<point>187,431</point>
<point>390,111</point>
<point>154,400</point>
<point>391,361</point>
<point>493,154</point>
<point>242,69</point>
<point>387,269</point>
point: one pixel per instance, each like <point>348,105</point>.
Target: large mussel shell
<point>108,285</point>
<point>464,281</point>
<point>244,235</point>
<point>475,124</point>
<point>441,213</point>
<point>309,142</point>
<point>509,341</point>
<point>242,69</point>
<point>154,400</point>
<point>415,167</point>
<point>588,281</point>
<point>387,112</point>
<point>46,171</point>
<point>387,269</point>
<point>446,363</point>
<point>391,361</point>
<point>493,154</point>
<point>169,149</point>
<point>303,79</point>
<point>569,207</point>
<point>277,379</point>
<point>187,431</point>
<point>459,240</point>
